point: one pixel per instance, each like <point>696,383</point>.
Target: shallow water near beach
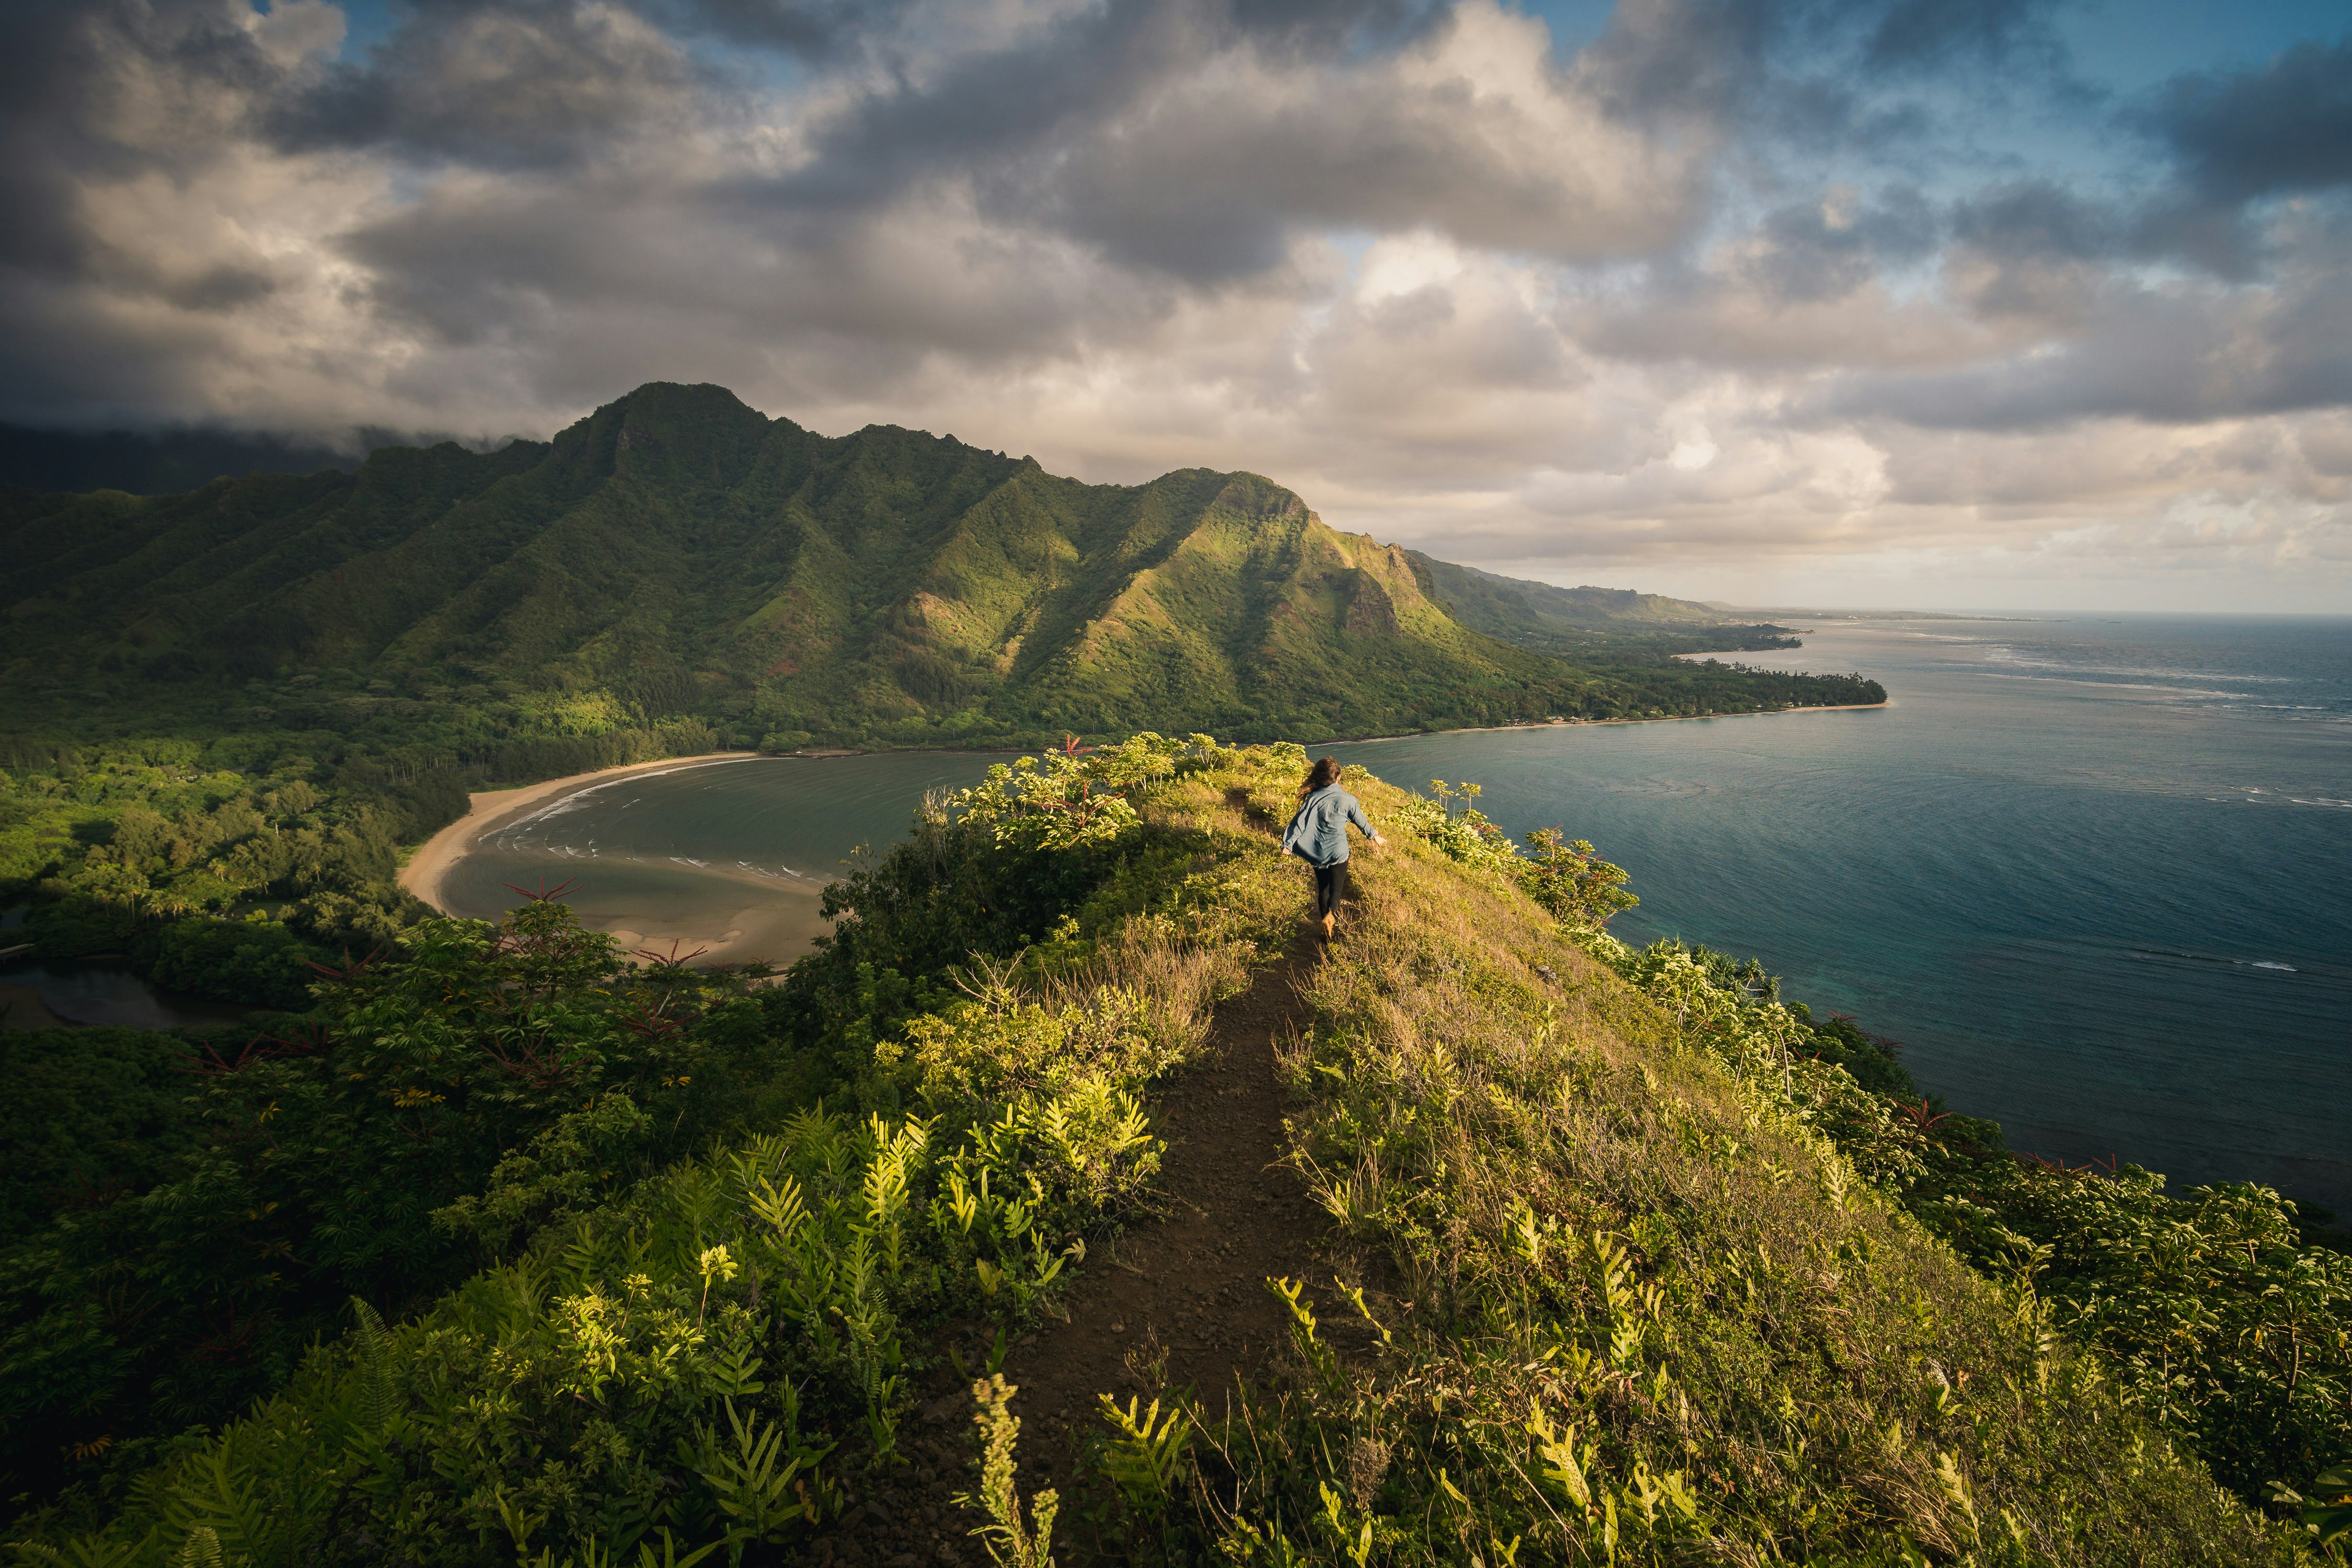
<point>689,855</point>
<point>2091,873</point>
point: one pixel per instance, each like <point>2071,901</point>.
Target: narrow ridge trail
<point>1190,1287</point>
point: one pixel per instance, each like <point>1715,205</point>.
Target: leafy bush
<point>311,1164</point>
<point>2209,1311</point>
<point>697,1345</point>
<point>91,1115</point>
<point>257,962</point>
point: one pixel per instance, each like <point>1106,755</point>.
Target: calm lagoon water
<point>2095,875</point>
<point>693,853</point>
<point>99,992</point>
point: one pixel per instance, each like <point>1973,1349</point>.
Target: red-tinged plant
<point>316,1040</point>
<point>349,970</point>
<point>650,1023</point>
<point>231,1343</point>
<point>1923,1116</point>
<point>534,1061</point>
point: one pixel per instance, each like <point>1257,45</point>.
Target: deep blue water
<point>2094,874</point>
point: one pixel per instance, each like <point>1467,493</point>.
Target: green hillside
<point>677,554</point>
<point>1529,1247</point>
<point>1582,622</point>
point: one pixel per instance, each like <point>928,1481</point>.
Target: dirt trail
<point>1193,1285</point>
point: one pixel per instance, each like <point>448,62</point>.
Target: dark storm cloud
<point>2284,127</point>
<point>817,29</point>
<point>2228,140</point>
<point>2040,218</point>
<point>1927,35</point>
<point>59,65</point>
<point>1199,139</point>
<point>516,83</point>
<point>1000,107</point>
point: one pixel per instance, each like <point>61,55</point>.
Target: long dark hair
<point>1322,775</point>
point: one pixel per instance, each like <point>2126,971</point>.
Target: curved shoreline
<point>494,808</point>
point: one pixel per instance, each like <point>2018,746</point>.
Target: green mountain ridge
<point>676,553</point>
<point>1570,621</point>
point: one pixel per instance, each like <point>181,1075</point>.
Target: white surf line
<point>559,803</point>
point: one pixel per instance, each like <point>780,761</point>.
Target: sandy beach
<point>768,932</point>
<point>785,925</point>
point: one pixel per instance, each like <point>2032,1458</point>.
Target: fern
<point>379,1400</point>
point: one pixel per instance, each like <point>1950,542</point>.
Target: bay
<point>727,858</point>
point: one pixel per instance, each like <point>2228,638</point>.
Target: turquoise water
<point>2092,874</point>
<point>2095,875</point>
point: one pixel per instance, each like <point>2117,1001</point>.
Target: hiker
<point>1317,835</point>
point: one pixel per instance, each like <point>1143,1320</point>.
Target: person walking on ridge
<point>1317,835</point>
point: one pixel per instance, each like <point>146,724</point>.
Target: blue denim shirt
<point>1318,833</point>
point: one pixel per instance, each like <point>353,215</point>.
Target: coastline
<point>770,933</point>
<point>1593,724</point>
<point>494,808</point>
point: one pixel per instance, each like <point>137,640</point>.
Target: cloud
<point>2181,351</point>
<point>1738,285</point>
<point>499,85</point>
<point>2285,126</point>
<point>1930,34</point>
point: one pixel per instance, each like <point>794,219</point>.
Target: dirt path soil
<point>1193,1286</point>
<point>1190,1288</point>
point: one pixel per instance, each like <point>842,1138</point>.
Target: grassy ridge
<point>1653,1308</point>
<point>1648,1278</point>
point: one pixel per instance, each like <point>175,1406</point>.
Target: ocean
<point>2093,874</point>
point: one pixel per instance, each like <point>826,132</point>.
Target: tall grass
<point>1642,1307</point>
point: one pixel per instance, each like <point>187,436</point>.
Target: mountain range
<point>678,554</point>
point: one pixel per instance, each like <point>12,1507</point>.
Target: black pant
<point>1330,886</point>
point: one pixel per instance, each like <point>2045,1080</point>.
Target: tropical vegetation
<point>511,1246</point>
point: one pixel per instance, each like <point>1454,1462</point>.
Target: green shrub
<point>257,962</point>
<point>2210,1312</point>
